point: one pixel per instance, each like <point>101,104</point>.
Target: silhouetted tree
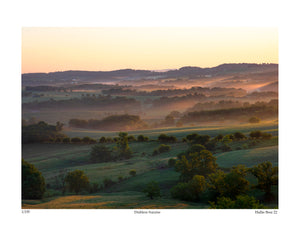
<point>33,183</point>
<point>198,163</point>
<point>142,138</point>
<point>124,151</point>
<point>241,202</point>
<point>132,172</point>
<point>239,136</point>
<point>229,185</point>
<point>266,176</point>
<point>101,153</point>
<point>166,139</point>
<point>102,140</point>
<point>77,181</point>
<point>191,190</point>
<point>255,134</point>
<point>152,190</point>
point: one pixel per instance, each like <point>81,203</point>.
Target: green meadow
<point>127,190</point>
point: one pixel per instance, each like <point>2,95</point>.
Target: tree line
<point>261,109</point>
<point>176,92</point>
<point>40,132</point>
<point>106,102</point>
<point>113,122</point>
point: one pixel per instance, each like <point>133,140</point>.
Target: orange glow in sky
<point>108,48</point>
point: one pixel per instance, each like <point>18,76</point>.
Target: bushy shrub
<point>120,178</point>
<point>152,190</point>
<point>195,148</point>
<point>166,139</point>
<point>255,134</point>
<point>132,172</point>
<point>260,135</point>
<point>102,140</point>
<point>266,136</point>
<point>109,140</point>
<point>77,181</point>
<point>87,140</point>
<point>219,137</point>
<point>142,138</point>
<point>76,140</point>
<point>131,138</point>
<point>155,152</point>
<point>227,139</point>
<point>198,139</point>
<point>239,136</point>
<point>247,202</point>
<point>164,148</point>
<point>107,182</point>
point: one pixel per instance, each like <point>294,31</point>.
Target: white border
<point>17,14</point>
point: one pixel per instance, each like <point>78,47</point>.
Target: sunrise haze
<point>105,49</point>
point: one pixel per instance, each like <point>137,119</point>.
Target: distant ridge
<point>130,74</point>
<point>222,67</point>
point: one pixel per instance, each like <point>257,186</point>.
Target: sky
<point>46,49</point>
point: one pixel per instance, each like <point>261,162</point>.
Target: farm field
<point>270,126</point>
<point>52,158</point>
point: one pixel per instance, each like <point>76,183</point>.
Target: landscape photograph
<point>149,118</point>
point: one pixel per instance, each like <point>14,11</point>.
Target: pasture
<point>51,159</point>
<point>270,126</point>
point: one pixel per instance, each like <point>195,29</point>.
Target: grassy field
<point>212,130</point>
<point>249,157</point>
<point>52,158</point>
<point>123,200</point>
